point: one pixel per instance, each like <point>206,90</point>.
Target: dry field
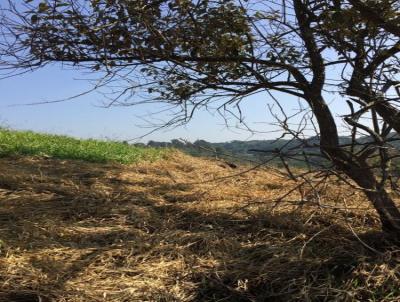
<point>182,230</point>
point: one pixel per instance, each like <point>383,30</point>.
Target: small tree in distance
<point>194,53</point>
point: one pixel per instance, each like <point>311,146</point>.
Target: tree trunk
<point>358,171</point>
<point>388,212</point>
<point>386,208</point>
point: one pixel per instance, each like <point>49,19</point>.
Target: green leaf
<point>43,7</point>
<point>34,19</point>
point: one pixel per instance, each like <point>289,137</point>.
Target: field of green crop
<point>64,147</point>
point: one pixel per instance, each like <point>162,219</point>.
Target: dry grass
<point>74,231</point>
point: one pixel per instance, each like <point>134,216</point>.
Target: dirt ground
<point>183,229</point>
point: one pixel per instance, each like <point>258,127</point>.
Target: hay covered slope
<point>177,230</point>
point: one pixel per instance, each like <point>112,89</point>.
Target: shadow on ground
<point>73,231</point>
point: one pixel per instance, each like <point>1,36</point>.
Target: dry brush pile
<point>182,230</point>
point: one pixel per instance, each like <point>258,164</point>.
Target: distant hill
<point>262,150</point>
<point>242,151</point>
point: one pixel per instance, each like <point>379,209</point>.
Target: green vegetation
<point>64,147</point>
<point>253,151</point>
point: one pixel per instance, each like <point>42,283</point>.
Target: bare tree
<point>195,53</point>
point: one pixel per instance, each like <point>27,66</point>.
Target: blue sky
<point>84,117</point>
